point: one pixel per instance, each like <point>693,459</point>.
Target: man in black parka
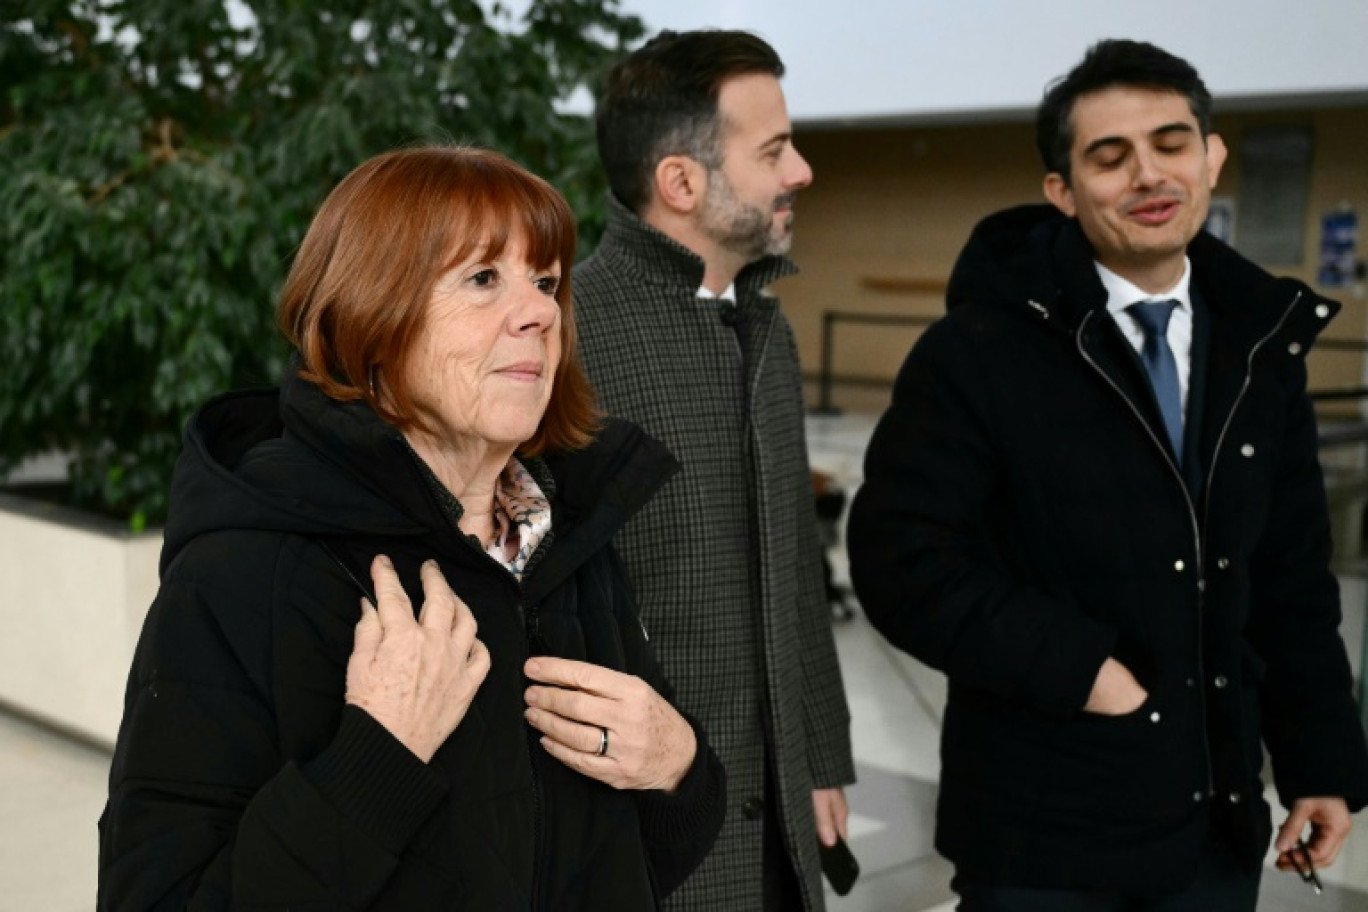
<point>1095,504</point>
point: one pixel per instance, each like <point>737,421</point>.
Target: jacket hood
<point>242,468</point>
<point>294,461</point>
<point>1036,261</point>
<point>1006,259</point>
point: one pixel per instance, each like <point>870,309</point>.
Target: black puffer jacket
<point>1022,519</point>
<point>240,781</point>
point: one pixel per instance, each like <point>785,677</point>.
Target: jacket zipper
<point>1211,478</point>
<point>532,628</point>
<point>1196,537</point>
<point>530,620</point>
<point>531,617</point>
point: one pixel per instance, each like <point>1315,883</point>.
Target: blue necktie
<point>1153,317</point>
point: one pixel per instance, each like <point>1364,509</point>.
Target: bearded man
<point>679,334</point>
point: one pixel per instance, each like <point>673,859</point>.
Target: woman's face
<point>483,367</point>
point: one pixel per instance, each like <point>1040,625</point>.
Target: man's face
<point>1142,178</point>
<point>748,206</point>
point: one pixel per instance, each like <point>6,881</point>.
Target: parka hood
<point>1036,261</point>
<point>1006,260</point>
<point>292,460</point>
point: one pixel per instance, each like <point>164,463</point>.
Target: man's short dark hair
<point>1110,63</point>
<point>661,100</point>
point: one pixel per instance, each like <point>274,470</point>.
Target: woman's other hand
<point>415,677</point>
<point>649,744</point>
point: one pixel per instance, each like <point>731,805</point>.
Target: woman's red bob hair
<point>357,295</point>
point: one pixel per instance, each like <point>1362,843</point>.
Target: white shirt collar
<point>1122,293</point>
<point>728,293</point>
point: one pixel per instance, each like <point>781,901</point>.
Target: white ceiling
<point>863,60</point>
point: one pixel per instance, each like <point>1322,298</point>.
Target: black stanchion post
<point>824,406</point>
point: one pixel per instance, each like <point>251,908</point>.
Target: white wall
<point>72,601</point>
<point>925,59</point>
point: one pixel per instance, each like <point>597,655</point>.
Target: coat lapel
<point>754,331</point>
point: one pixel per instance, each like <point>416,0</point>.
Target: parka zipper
<point>530,615</point>
<point>529,618</point>
<point>1196,535</point>
<point>532,628</point>
<point>1199,537</point>
<point>1211,478</point>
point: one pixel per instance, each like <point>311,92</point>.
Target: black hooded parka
<point>240,779</point>
<point>1023,517</point>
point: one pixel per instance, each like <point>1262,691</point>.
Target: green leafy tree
<point>161,160</point>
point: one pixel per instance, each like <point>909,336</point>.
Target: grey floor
<point>52,788</point>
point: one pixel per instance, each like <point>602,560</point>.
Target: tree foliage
<point>162,158</point>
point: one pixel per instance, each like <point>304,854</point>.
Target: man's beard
<point>746,230</point>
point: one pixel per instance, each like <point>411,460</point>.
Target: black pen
<point>1301,860</point>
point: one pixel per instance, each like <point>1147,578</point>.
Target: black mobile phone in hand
<point>839,866</point>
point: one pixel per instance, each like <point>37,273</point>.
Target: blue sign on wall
<point>1339,248</point>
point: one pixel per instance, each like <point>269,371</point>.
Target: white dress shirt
<point>728,293</point>
<point>1122,294</point>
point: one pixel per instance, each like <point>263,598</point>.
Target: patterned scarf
<point>522,517</point>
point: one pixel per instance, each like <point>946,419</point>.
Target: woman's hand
<point>416,678</point>
<point>649,744</point>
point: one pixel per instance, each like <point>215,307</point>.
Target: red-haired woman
<point>494,733</point>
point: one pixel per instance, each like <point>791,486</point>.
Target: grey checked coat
<point>725,559</point>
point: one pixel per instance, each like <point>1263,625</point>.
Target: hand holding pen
<point>1329,822</point>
